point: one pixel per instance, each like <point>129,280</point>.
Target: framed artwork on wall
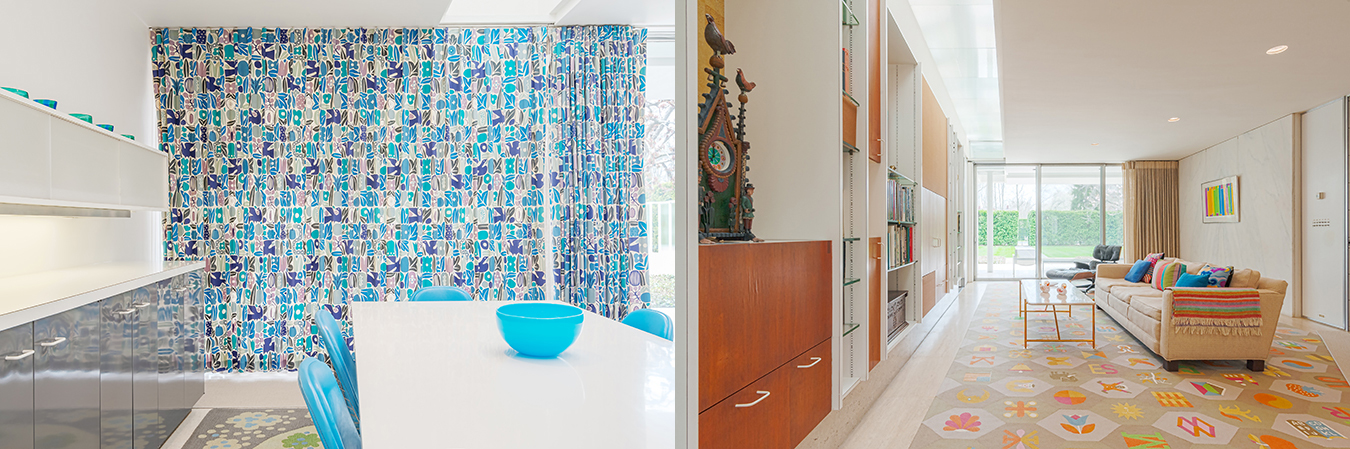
<point>1220,198</point>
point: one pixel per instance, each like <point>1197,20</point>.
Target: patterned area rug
<point>255,429</point>
<point>1065,395</point>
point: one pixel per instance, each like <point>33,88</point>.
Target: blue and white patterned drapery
<point>598,236</point>
<point>317,167</point>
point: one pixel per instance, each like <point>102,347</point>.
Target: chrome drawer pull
<point>761,398</point>
<point>126,312</point>
<point>140,304</point>
<point>814,361</point>
<point>29,352</point>
<point>52,342</point>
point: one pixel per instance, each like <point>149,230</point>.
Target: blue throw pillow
<point>1193,280</point>
<point>1137,272</point>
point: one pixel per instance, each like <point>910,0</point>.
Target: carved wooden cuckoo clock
<point>726,207</point>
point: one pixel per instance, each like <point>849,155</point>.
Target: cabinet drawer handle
<point>140,304</point>
<point>814,361</point>
<point>752,404</point>
<point>52,342</point>
<point>126,312</point>
<point>29,352</point>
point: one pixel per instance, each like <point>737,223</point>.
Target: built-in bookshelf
<point>901,218</point>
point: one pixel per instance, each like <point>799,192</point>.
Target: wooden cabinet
<point>810,390</point>
<point>758,416</point>
<point>764,310</point>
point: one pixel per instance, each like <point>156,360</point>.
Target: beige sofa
<point>1147,313</point>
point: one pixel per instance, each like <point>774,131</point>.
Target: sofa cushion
<point>1148,324</point>
<point>1150,306</point>
<point>1106,285</point>
<point>1127,294</point>
<point>1245,278</point>
<point>1165,274</point>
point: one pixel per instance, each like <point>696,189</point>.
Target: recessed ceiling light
<point>1174,119</point>
<point>1277,49</point>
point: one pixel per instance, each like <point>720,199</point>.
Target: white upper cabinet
<point>48,158</point>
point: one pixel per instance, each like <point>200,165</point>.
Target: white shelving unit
<point>50,161</point>
<point>853,339</point>
<point>903,157</point>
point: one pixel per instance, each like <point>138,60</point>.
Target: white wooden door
<point>1324,214</point>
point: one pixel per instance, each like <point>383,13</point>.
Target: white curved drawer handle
<point>52,342</point>
<point>761,398</point>
<point>28,352</point>
<point>140,304</point>
<point>126,312</point>
<point>814,361</point>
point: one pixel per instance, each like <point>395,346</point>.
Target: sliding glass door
<point>1035,218</point>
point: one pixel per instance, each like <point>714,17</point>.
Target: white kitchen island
<point>438,374</point>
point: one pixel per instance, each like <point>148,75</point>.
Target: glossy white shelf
<point>48,158</point>
<point>35,296</point>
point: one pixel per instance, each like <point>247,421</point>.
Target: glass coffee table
<point>1032,300</point>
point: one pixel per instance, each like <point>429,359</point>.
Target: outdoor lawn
<point>1051,252</point>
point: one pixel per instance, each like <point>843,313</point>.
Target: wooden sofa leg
<point>1256,365</point>
<point>1172,365</point>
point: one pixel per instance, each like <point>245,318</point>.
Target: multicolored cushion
<point>1192,280</point>
<point>1218,276</point>
<point>1165,274</point>
<point>1152,260</point>
<point>1138,271</point>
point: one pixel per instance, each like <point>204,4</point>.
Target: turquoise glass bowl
<point>47,103</point>
<point>129,136</point>
<point>106,126</point>
<point>85,117</point>
<point>539,329</point>
<point>19,92</point>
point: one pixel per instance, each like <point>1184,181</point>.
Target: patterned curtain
<point>598,235</point>
<point>316,167</point>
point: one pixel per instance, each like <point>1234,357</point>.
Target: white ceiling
<point>1076,73</point>
<point>288,13</point>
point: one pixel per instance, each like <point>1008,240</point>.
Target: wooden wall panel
<point>934,143</point>
<point>929,296</point>
<point>875,298</point>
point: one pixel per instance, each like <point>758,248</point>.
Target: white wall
<point>1263,239</point>
<point>92,57</point>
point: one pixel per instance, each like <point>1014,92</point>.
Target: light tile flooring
<point>894,418</point>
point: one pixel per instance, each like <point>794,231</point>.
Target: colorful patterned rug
<point>255,429</point>
<point>1065,395</point>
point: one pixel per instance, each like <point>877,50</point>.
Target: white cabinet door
<point>144,177</point>
<point>1324,214</point>
<point>84,165</point>
<point>25,169</point>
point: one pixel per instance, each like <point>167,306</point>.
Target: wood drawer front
<point>760,305</point>
<point>766,424</point>
<point>811,383</point>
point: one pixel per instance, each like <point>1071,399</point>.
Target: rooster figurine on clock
<point>726,209</point>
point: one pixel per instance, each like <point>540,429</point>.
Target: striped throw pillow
<point>1165,274</point>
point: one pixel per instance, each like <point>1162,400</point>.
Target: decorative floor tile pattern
<point>255,429</point>
<point>1070,395</point>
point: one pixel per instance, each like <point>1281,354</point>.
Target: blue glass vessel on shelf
<point>537,329</point>
<point>47,103</point>
<point>106,126</point>
<point>19,92</point>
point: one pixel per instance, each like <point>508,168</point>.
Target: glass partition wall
<point>1037,217</point>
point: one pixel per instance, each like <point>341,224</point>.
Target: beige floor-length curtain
<point>1152,219</point>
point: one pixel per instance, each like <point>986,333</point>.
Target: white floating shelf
<point>48,158</point>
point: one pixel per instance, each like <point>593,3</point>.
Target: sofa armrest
<point>1183,346</point>
<point>1113,270</point>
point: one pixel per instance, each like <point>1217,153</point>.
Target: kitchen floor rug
<point>1066,395</point>
<point>255,429</point>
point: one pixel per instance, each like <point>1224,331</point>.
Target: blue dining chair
<point>324,399</point>
<point>344,364</point>
<point>652,322</point>
<point>438,293</point>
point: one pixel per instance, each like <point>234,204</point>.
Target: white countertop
<point>438,374</point>
<point>35,296</point>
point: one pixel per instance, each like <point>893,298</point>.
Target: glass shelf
<point>850,149</point>
<point>899,177</point>
<point>897,267</point>
<point>848,282</point>
<point>850,327</point>
<point>852,239</point>
<point>904,223</point>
